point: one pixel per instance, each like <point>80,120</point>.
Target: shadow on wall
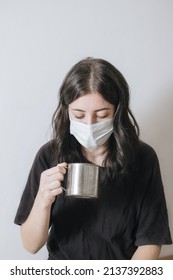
<point>158,123</point>
<point>170,257</point>
<point>157,130</point>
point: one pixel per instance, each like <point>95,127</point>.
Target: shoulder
<point>45,154</point>
<point>46,148</point>
<point>145,150</point>
<point>146,155</point>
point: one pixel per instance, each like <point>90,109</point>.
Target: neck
<point>95,155</point>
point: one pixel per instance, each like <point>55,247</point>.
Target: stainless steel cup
<point>82,180</point>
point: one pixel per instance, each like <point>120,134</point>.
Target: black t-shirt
<point>129,212</point>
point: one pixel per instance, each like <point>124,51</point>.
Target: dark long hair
<point>97,76</point>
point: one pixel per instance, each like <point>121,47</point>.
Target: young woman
<point>93,123</point>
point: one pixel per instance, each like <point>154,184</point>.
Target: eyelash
<point>79,117</point>
<point>100,117</point>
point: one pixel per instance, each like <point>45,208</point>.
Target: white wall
<point>39,41</point>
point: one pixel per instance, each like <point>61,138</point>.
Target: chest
<point>112,214</point>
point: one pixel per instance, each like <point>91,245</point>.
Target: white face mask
<point>91,135</point>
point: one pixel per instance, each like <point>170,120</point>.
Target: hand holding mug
<point>50,184</point>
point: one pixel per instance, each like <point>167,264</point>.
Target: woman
<point>93,123</point>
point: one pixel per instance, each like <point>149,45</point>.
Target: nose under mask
<point>91,135</point>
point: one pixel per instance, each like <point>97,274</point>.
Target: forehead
<point>90,101</point>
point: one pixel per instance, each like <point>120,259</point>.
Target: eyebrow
<point>98,110</point>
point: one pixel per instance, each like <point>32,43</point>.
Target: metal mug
<point>82,180</point>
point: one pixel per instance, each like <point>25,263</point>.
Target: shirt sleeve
<point>41,163</point>
<point>153,225</point>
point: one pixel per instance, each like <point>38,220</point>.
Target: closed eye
<point>79,117</point>
<point>102,117</point>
